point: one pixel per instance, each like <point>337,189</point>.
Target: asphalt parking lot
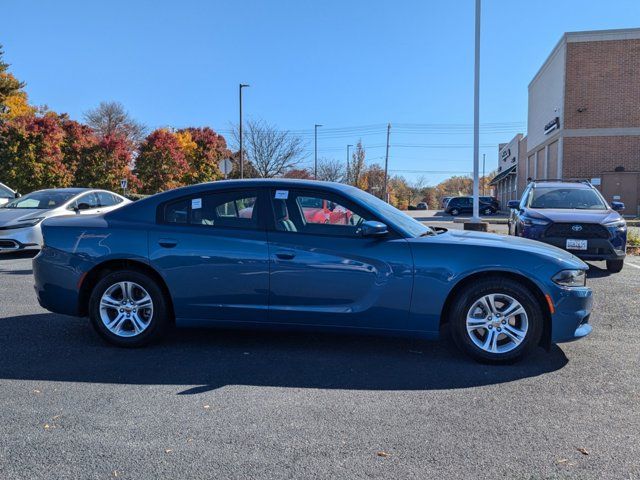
<point>221,404</point>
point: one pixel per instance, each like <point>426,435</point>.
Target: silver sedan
<point>20,219</point>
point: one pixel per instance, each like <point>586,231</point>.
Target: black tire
<point>500,286</point>
<point>454,212</point>
<point>487,211</point>
<point>158,321</point>
<point>615,266</point>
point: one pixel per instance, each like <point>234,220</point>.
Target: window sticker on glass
<point>282,194</point>
<point>196,203</point>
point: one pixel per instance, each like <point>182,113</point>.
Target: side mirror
<point>371,228</point>
<point>617,206</point>
<point>514,204</point>
<point>17,195</point>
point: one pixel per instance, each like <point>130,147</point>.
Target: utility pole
<point>242,85</point>
<point>484,180</point>
<point>386,166</point>
<point>315,150</point>
<point>475,223</point>
<point>348,161</point>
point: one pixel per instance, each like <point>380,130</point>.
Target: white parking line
<point>632,264</point>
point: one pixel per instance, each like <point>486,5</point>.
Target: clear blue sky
<point>345,64</point>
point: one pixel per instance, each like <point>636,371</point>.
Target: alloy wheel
<point>497,323</point>
<point>126,309</point>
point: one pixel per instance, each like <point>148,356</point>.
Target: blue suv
<point>573,216</point>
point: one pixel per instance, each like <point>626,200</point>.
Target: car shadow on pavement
<point>50,347</point>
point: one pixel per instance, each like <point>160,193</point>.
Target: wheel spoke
<point>144,302</point>
<point>512,310</point>
<point>514,333</point>
<point>491,341</point>
<point>116,323</point>
<point>138,324</point>
<point>127,290</point>
<point>107,301</point>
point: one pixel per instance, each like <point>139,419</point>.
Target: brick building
<point>584,116</point>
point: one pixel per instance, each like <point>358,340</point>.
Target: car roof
<point>580,185</point>
<point>67,189</point>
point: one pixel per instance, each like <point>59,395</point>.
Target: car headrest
<point>280,209</point>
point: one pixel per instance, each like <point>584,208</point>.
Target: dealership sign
<point>552,125</point>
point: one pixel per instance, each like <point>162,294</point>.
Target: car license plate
<point>576,244</point>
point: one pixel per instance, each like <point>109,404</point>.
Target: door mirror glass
<point>514,204</point>
<point>617,206</point>
<point>371,228</point>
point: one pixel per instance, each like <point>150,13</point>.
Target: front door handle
<point>167,242</point>
<point>285,254</point>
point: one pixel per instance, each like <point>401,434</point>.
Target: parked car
<point>493,201</point>
<point>7,194</point>
<point>573,216</point>
<point>21,218</point>
<point>421,206</point>
<point>458,205</point>
<point>187,256</point>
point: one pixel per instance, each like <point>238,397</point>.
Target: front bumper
<point>597,248</point>
<point>20,238</point>
<point>572,311</point>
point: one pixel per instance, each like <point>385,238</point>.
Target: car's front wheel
<point>496,320</point>
<point>487,211</point>
<point>128,309</point>
<point>615,266</point>
<point>454,211</point>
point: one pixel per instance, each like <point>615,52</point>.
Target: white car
<point>20,219</point>
<point>6,194</point>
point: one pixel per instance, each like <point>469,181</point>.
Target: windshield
<point>42,200</point>
<point>404,221</point>
<point>567,198</point>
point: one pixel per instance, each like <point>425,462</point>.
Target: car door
<point>211,248</point>
<point>327,273</point>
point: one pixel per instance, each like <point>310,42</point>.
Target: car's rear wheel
<point>128,309</point>
<point>454,211</point>
<point>496,320</point>
<point>615,266</point>
<point>487,211</point>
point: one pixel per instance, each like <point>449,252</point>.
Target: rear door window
<point>236,209</point>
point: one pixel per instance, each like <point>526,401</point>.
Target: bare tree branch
<point>270,151</point>
<point>111,119</point>
<point>331,170</point>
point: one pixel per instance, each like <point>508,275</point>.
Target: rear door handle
<point>167,242</point>
<point>285,254</point>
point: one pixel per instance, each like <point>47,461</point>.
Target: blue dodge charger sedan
<point>250,253</point>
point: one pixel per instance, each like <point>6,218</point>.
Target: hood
<point>492,240</point>
<point>10,216</point>
<point>574,215</point>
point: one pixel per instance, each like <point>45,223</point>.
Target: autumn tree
<point>357,167</point>
<point>31,153</point>
<point>105,163</point>
<point>331,170</point>
<point>372,180</point>
<point>13,99</point>
<point>203,149</point>
<point>110,120</point>
<point>272,152</point>
<point>161,163</point>
<point>299,173</point>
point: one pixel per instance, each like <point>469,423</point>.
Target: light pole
<point>348,147</point>
<point>475,223</point>
<point>386,166</point>
<point>242,85</point>
<point>315,150</point>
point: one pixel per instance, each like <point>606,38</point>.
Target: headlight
<point>31,222</point>
<point>534,221</point>
<point>571,278</point>
<point>620,223</point>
